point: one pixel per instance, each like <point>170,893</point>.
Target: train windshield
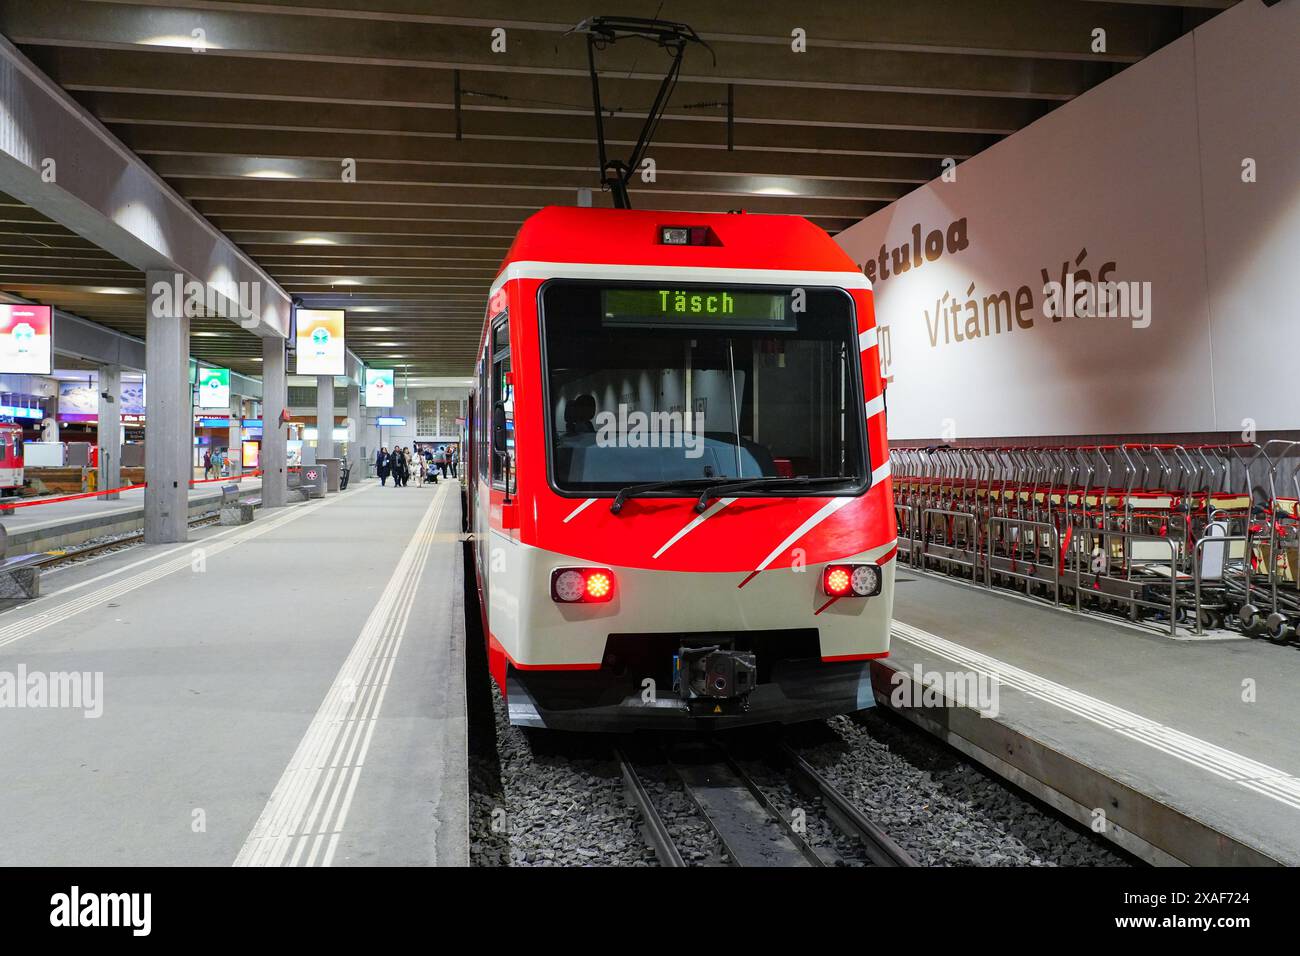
<point>662,382</point>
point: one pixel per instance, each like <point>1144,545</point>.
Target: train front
<point>708,538</point>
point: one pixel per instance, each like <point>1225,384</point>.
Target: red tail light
<point>837,580</point>
<point>582,585</point>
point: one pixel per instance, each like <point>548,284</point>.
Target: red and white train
<point>11,458</point>
<point>678,480</point>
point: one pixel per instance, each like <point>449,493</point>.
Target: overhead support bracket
<point>603,31</point>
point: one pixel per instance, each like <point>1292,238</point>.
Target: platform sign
<point>320,342</point>
<point>379,388</point>
<point>25,339</point>
<point>214,388</point>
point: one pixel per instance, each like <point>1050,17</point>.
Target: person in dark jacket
<point>398,462</point>
<point>382,465</point>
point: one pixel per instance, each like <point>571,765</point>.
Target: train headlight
<point>851,580</point>
<point>568,586</point>
<point>866,580</point>
<point>582,585</point>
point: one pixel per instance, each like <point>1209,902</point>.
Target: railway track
<point>750,826</point>
<point>72,555</point>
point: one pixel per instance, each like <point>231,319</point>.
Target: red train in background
<point>11,458</point>
<point>677,473</point>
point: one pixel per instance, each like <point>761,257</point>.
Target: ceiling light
<point>271,174</point>
<point>117,291</point>
<point>375,328</point>
<point>207,335</point>
<point>775,191</point>
<point>183,41</point>
<point>315,241</point>
<point>346,282</point>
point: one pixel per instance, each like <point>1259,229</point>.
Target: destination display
<point>699,307</point>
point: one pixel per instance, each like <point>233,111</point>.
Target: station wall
<point>406,405</point>
<point>1143,180</point>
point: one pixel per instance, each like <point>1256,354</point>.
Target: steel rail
<point>879,845</point>
<point>664,847</point>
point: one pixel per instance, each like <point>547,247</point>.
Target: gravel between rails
<point>559,802</point>
<point>695,838</point>
<point>942,809</point>
<point>806,813</point>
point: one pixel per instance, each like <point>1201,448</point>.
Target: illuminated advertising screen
<point>79,401</point>
<point>214,388</point>
<point>320,342</point>
<point>25,339</point>
<point>379,388</point>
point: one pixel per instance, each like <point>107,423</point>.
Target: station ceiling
<point>455,143</point>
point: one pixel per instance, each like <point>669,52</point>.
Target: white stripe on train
<point>828,509</point>
<point>586,270</point>
<point>699,520</point>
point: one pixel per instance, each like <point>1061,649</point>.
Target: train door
<point>468,458</point>
<point>504,478</point>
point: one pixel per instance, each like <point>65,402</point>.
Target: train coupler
<point>714,680</point>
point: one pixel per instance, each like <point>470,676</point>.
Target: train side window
<point>502,394</point>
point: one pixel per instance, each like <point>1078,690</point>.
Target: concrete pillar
<point>169,425</point>
<point>234,443</point>
<point>354,420</point>
<point>324,416</point>
<point>110,429</point>
<point>275,395</point>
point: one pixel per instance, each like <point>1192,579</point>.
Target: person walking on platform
<point>382,465</point>
<point>440,459</point>
<point>453,459</point>
<point>400,472</point>
<point>207,464</point>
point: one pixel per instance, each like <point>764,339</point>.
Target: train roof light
<point>687,236</point>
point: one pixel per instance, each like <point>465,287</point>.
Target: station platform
<point>62,524</point>
<point>286,692</point>
<point>1189,748</point>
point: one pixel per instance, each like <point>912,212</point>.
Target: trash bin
<point>333,472</point>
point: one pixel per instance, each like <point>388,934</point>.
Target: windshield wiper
<point>717,489</point>
<point>631,491</point>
